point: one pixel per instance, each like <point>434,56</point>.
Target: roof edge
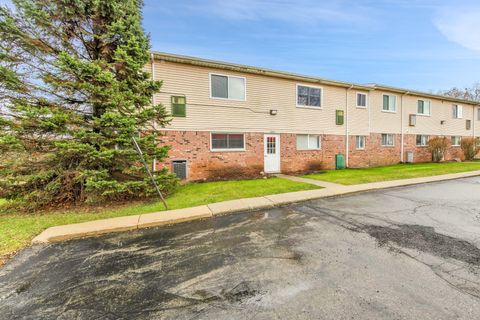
<point>299,77</point>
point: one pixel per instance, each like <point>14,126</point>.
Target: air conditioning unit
<point>412,120</point>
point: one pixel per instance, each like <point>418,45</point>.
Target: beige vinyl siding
<point>262,94</point>
<point>267,92</point>
<point>358,118</point>
<point>382,121</point>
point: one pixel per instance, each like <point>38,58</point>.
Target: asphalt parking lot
<point>404,253</point>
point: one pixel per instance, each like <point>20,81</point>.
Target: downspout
<point>402,135</point>
<point>347,132</point>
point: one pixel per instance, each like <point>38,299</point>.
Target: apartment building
<point>227,116</point>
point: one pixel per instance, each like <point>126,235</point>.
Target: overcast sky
<point>416,44</point>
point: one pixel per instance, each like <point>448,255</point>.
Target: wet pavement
<point>405,253</point>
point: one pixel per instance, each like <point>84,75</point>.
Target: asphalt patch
<point>425,239</point>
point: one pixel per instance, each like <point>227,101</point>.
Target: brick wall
<point>194,146</point>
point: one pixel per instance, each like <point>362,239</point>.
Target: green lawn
<point>16,230</point>
<point>395,172</point>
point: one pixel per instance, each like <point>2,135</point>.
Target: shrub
<point>235,173</point>
<point>437,147</point>
<point>470,147</point>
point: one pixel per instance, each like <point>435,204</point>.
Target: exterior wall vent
<point>179,168</point>
<point>409,156</point>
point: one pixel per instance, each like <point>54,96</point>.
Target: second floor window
<point>423,107</point>
<point>389,103</point>
<point>227,87</point>
<point>457,111</point>
<point>309,96</point>
<point>361,100</point>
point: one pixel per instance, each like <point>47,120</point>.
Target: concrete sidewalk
<point>98,227</point>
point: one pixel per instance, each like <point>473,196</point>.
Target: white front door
<point>271,144</point>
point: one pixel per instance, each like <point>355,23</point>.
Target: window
<point>361,100</point>
<point>412,120</point>
<point>456,141</point>
<point>360,142</point>
<point>389,103</point>
<point>457,111</point>
<point>424,107</point>
<point>422,140</point>
<point>227,87</point>
<point>387,139</point>
<point>339,117</point>
<point>478,114</point>
<point>179,108</point>
<point>308,142</point>
<point>468,125</point>
<point>228,141</point>
<point>309,96</point>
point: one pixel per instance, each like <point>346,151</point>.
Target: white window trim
<point>364,142</point>
<point>459,141</point>
<point>424,114</point>
<point>227,150</point>
<point>228,76</point>
<point>460,107</point>
<point>308,107</point>
<point>387,145</point>
<point>422,145</point>
<point>396,103</point>
<point>308,141</point>
<point>366,100</point>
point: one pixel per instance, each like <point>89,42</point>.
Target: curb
<point>127,223</point>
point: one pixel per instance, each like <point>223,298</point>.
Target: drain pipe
<point>152,69</point>
<point>402,136</point>
<point>347,133</point>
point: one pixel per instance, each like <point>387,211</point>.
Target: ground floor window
<point>228,141</point>
<point>422,140</point>
<point>308,142</point>
<point>360,142</point>
<point>456,141</point>
<point>388,139</point>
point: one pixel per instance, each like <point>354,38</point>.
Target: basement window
<point>456,141</point>
<point>308,142</point>
<point>228,142</point>
<point>422,140</point>
<point>388,139</point>
<point>360,142</point>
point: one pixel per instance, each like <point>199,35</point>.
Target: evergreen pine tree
<point>73,92</point>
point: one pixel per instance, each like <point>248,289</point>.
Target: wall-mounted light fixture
<point>443,122</point>
<point>273,112</point>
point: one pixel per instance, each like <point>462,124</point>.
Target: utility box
<point>339,162</point>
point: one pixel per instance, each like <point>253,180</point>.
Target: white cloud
<point>460,25</point>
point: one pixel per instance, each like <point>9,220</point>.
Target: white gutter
<point>402,135</point>
<point>347,133</point>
